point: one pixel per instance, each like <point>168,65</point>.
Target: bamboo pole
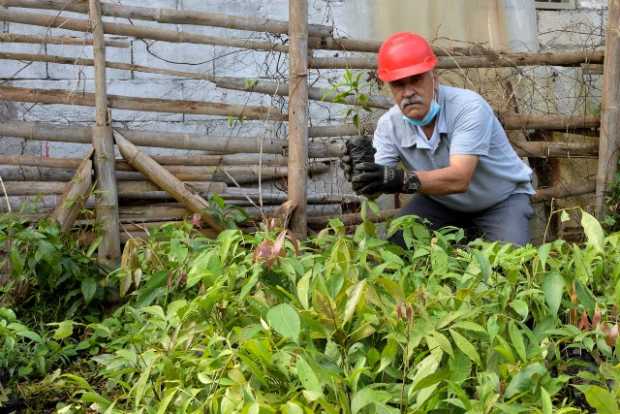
<point>281,89</point>
<point>173,16</point>
<point>107,194</point>
<point>65,60</point>
<point>509,122</point>
<point>221,144</point>
<point>230,175</point>
<point>165,180</point>
<point>148,190</point>
<point>140,32</point>
<point>175,211</point>
<point>241,84</point>
<point>298,115</point>
<point>122,165</point>
<point>74,195</point>
<point>537,149</point>
<point>64,97</point>
<point>499,60</point>
<point>57,40</point>
<point>127,189</point>
<point>563,191</point>
<point>610,110</point>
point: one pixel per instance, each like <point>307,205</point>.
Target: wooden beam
<point>149,138</point>
<point>65,60</point>
<point>137,31</point>
<point>122,165</point>
<point>109,251</point>
<point>64,97</point>
<point>165,180</point>
<point>173,16</point>
<point>247,174</point>
<point>147,190</point>
<point>298,115</point>
<point>281,89</point>
<point>510,121</point>
<point>499,60</point>
<point>610,110</point>
<point>74,196</point>
<point>57,40</point>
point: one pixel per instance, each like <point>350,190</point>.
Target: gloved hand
<point>370,179</point>
<point>359,150</point>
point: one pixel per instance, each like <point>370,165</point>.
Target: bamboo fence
<point>241,160</point>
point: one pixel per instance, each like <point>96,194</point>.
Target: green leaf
<point>517,340</point>
<point>141,385</point>
<point>593,230</point>
<point>436,338</point>
<point>485,265</point>
<point>564,216</point>
<point>303,289</point>
<point>464,345</point>
<point>89,287</point>
<point>64,330</point>
<point>601,399</point>
<point>492,327</point>
<point>526,379</point>
<point>547,405</point>
<point>285,320</point>
<point>520,307</point>
<point>388,354</point>
<point>553,286</point>
<point>356,294</point>
<point>543,255</point>
<point>165,402</point>
<point>439,260</point>
<point>308,377</point>
<point>292,408</point>
<point>585,297</point>
<point>470,326</point>
<point>367,396</point>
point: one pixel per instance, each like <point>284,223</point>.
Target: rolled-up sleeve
<point>473,130</point>
<point>387,152</point>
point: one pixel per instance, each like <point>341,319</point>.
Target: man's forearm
<point>442,181</point>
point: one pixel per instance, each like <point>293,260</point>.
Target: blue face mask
<point>428,118</point>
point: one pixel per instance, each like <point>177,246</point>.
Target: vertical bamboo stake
<point>107,193</point>
<point>297,115</point>
<point>609,144</point>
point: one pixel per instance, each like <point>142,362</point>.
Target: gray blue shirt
<point>466,125</point>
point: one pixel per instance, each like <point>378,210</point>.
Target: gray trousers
<point>505,221</point>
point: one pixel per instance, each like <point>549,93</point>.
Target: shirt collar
<point>417,137</point>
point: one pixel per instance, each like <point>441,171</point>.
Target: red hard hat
<point>404,54</point>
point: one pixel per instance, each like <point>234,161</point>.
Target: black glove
<point>359,150</point>
<point>370,179</point>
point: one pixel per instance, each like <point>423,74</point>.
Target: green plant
<point>258,323</point>
<point>49,274</point>
<point>351,85</point>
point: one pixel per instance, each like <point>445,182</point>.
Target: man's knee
<point>508,221</point>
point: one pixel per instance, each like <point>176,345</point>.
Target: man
<point>459,162</point>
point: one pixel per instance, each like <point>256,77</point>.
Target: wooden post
<point>298,116</point>
<point>75,194</point>
<point>107,193</point>
<point>609,144</point>
<point>165,180</point>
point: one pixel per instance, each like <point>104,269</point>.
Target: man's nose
<point>409,90</point>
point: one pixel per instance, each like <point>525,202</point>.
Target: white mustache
<point>409,101</point>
